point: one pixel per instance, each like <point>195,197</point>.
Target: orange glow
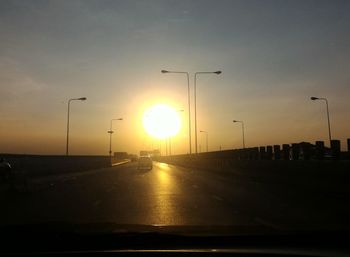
<point>161,121</point>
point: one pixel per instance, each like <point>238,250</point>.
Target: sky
<point>273,56</point>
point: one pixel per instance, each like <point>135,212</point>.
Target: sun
<point>161,121</point>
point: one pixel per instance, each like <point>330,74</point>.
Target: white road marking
<point>120,163</point>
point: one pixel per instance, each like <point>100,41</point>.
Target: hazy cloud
<point>15,83</point>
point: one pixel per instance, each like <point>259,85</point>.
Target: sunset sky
<point>274,55</point>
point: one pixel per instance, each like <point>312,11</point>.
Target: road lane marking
<point>119,163</point>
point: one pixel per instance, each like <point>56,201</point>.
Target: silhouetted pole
<point>242,131</point>
<point>329,123</point>
<point>189,104</point>
<point>110,136</point>
<point>195,100</point>
<point>72,99</point>
<point>206,134</point>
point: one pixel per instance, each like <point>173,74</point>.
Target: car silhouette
<point>145,162</point>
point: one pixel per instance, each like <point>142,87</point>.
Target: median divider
<point>43,165</point>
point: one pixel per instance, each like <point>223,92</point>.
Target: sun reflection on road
<point>163,165</point>
<point>163,178</point>
<point>165,193</point>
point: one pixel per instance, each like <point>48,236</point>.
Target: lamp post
<point>72,99</point>
<point>110,131</point>
<point>206,133</point>
<point>195,100</point>
<point>189,104</point>
<point>242,130</point>
<point>313,98</point>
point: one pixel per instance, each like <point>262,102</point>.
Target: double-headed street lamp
<point>313,98</point>
<point>110,131</point>
<point>72,99</point>
<point>189,104</point>
<point>206,134</point>
<point>195,100</point>
<point>242,130</point>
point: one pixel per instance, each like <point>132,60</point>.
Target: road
<point>170,195</point>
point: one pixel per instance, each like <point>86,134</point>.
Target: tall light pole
<point>313,98</point>
<point>189,104</point>
<point>242,130</point>
<point>195,100</point>
<point>72,99</point>
<point>170,137</point>
<point>110,131</point>
<point>206,133</point>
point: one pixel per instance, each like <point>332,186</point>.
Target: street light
<point>195,100</point>
<point>110,131</point>
<point>313,98</point>
<point>72,99</point>
<point>189,104</point>
<point>242,130</point>
<point>206,133</point>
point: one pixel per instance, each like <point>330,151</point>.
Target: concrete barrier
<point>325,175</point>
<point>267,171</point>
<point>295,151</point>
<point>319,151</point>
<point>285,151</point>
<point>262,153</point>
<point>254,153</point>
<point>276,152</point>
<point>335,149</point>
<point>41,165</point>
<point>268,152</point>
<point>306,150</point>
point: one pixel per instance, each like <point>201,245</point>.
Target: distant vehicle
<point>144,153</point>
<point>145,162</point>
<point>5,170</point>
<point>133,157</point>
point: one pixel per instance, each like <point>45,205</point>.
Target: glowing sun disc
<point>161,121</point>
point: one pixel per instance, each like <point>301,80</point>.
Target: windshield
<point>241,106</point>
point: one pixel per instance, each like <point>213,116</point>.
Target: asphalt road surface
<point>170,195</point>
